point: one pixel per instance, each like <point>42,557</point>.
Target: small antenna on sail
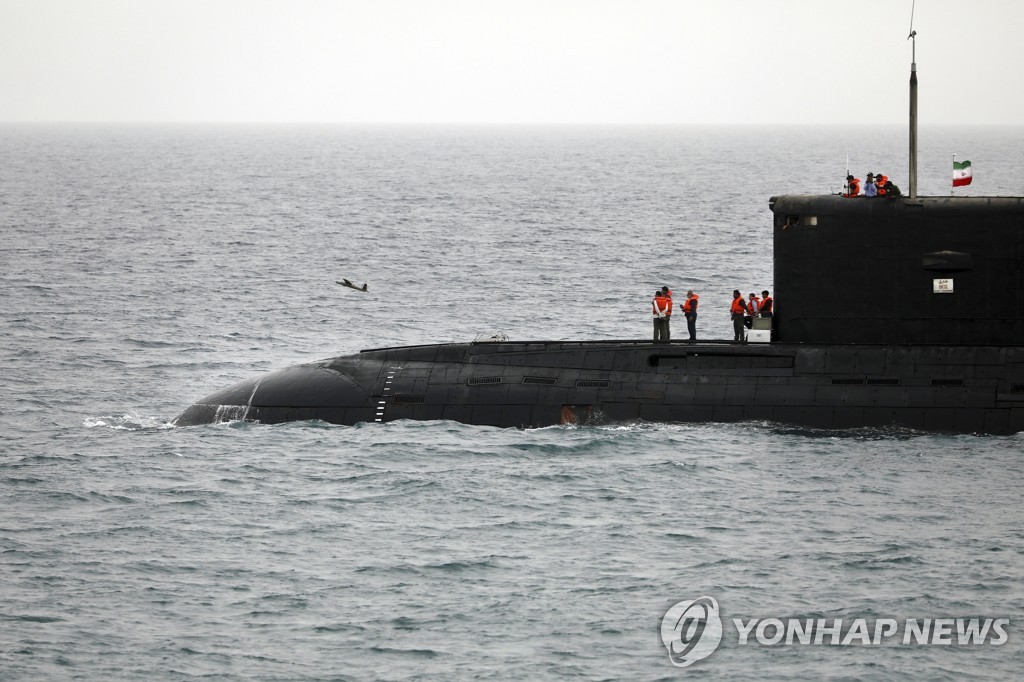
<point>913,104</point>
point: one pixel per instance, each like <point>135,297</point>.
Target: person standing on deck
<point>767,304</point>
<point>667,293</point>
<point>690,312</point>
<point>660,307</point>
<point>738,312</point>
<point>753,308</point>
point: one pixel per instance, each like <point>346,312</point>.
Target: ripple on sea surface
<point>138,279</point>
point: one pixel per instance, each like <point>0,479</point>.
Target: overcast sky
<point>509,61</point>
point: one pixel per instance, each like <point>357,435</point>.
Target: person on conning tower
<point>852,186</point>
<point>870,189</point>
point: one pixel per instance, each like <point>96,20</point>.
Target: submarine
<point>928,337</point>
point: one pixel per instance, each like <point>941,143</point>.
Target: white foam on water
<point>132,421</point>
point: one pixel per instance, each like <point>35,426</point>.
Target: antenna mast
<point>913,105</point>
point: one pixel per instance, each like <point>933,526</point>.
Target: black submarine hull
<point>959,389</point>
<point>889,312</point>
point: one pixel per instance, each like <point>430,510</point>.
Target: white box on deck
<point>759,336</point>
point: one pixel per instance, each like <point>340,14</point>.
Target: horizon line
<point>521,124</point>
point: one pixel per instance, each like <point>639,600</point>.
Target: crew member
<point>690,312</point>
<point>738,312</point>
<point>891,190</point>
<point>881,182</point>
<point>753,307</point>
<point>870,190</point>
<point>660,308</point>
<point>767,304</point>
<point>667,293</point>
<point>852,186</point>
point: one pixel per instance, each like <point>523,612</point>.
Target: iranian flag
<point>961,173</point>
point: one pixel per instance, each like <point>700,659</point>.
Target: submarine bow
<point>302,392</point>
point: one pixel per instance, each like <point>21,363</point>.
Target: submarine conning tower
<point>921,271</point>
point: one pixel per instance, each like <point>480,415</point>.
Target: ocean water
<point>142,267</point>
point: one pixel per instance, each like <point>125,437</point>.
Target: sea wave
<point>131,421</point>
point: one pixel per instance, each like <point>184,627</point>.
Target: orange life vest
<point>662,304</point>
<point>690,303</point>
<point>854,188</point>
<point>766,305</point>
<point>739,306</point>
<point>754,305</point>
<point>880,182</point>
